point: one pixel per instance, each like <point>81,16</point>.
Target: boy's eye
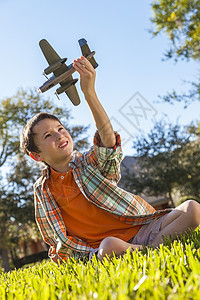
<point>61,128</point>
<point>46,136</point>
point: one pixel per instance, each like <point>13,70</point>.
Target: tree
<point>180,20</point>
<point>168,159</point>
<point>190,157</point>
<point>4,224</point>
<point>16,194</point>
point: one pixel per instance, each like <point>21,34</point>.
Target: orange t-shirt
<point>82,218</point>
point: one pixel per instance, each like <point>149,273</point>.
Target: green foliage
<point>187,98</point>
<point>168,158</point>
<point>190,159</point>
<point>169,272</point>
<point>180,20</point>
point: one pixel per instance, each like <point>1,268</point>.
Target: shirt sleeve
<point>45,228</point>
<point>73,247</point>
<point>108,160</point>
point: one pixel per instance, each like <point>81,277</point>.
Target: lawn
<point>170,272</point>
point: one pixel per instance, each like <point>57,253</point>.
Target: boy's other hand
<point>87,75</point>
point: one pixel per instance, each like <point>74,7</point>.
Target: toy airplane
<point>62,72</point>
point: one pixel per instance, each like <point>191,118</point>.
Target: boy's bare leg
<point>184,217</point>
<point>113,244</point>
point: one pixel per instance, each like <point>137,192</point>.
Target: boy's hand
<point>87,75</point>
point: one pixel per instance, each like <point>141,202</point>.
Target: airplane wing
<point>86,50</point>
<point>72,94</point>
<point>52,57</point>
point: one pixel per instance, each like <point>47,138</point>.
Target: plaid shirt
<point>96,173</point>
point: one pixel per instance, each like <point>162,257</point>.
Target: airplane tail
<point>82,42</point>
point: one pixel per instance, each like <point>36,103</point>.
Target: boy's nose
<point>58,136</point>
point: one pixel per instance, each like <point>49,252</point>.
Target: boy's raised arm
<point>87,81</point>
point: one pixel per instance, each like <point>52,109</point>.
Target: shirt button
<point>62,177</point>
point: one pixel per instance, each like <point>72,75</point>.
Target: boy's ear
<point>35,156</point>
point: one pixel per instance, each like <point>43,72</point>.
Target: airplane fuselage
<point>53,80</point>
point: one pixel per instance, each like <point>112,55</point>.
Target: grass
<point>170,272</point>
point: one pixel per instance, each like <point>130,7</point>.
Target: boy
<point>79,208</point>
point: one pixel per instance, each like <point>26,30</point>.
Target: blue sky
<point>131,73</point>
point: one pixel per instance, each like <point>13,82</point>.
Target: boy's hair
<point>27,137</point>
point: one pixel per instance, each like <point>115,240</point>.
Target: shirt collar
<point>73,162</point>
<point>55,176</point>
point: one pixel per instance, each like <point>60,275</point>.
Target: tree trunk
<point>5,258</point>
<point>171,199</point>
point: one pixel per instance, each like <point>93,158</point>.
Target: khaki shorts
<point>147,233</point>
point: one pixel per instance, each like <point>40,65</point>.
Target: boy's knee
<point>106,247</point>
<point>193,211</point>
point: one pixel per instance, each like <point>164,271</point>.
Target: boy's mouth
<point>62,145</point>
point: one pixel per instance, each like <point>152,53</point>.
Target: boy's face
<point>54,142</point>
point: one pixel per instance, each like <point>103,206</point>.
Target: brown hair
<point>27,137</point>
